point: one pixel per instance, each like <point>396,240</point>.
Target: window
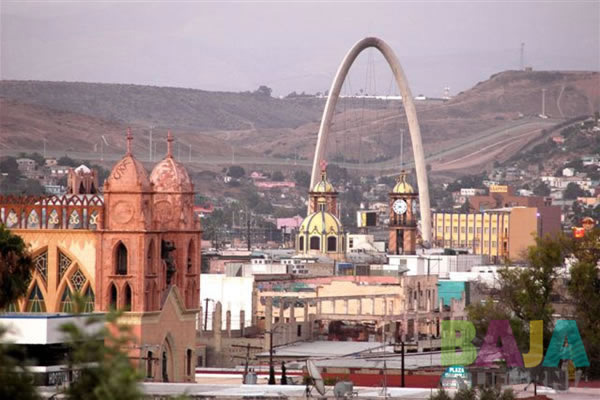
<point>462,229</point>
<point>113,296</point>
<point>189,362</point>
<point>479,231</point>
<point>351,242</point>
<point>36,301</point>
<point>493,244</point>
<point>149,365</point>
<point>128,297</point>
<point>486,231</point>
<point>301,243</point>
<point>165,375</point>
<point>447,229</point>
<point>315,243</point>
<point>121,256</point>
<point>150,258</point>
<point>190,260</point>
<point>439,229</point>
<point>455,230</point>
<point>493,231</point>
<point>66,303</point>
<point>331,243</point>
<point>89,300</point>
<point>470,229</point>
<point>321,207</point>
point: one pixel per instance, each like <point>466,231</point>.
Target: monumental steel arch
<point>411,115</point>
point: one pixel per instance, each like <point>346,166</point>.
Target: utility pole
<point>248,228</point>
<point>271,367</point>
<point>543,102</point>
<point>45,140</point>
<point>522,65</point>
<point>206,313</point>
<point>189,153</point>
<point>402,366</point>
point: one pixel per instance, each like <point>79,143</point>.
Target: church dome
<point>323,186</point>
<point>321,222</point>
<point>128,174</point>
<point>402,186</point>
<point>169,175</point>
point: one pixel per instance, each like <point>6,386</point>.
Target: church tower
<point>323,196</point>
<point>149,262</point>
<point>403,222</point>
<point>321,233</point>
<point>127,263</point>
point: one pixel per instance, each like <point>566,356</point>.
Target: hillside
<point>497,114</point>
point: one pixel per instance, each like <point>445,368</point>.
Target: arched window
<point>190,257</point>
<point>315,243</point>
<point>113,296</point>
<point>89,300</point>
<point>81,188</point>
<point>66,303</point>
<point>121,258</point>
<point>36,301</point>
<point>331,243</point>
<point>128,297</point>
<point>165,374</point>
<point>188,360</point>
<point>301,243</point>
<point>149,365</point>
<point>150,258</point>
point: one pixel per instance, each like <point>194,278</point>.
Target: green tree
<point>278,176</point>
<point>541,190</point>
<point>235,171</point>
<point>100,353</point>
<point>527,291</point>
<point>264,91</point>
<point>15,267</point>
<point>68,161</point>
<point>574,191</point>
<point>584,291</point>
<point>302,178</point>
<point>9,166</point>
<point>15,381</point>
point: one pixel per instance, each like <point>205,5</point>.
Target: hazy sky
<point>291,46</point>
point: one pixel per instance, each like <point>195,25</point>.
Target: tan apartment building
<point>503,233</point>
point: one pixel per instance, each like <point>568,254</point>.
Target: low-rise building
<point>499,233</point>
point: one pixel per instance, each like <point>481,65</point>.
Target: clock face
<point>399,207</point>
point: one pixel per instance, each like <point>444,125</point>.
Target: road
<point>511,130</point>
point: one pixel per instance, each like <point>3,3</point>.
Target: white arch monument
<point>411,115</point>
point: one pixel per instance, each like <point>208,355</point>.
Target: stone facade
<point>137,248</point>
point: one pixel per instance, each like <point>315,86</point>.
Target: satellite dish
<point>315,375</point>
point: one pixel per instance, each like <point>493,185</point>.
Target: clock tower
<point>403,220</point>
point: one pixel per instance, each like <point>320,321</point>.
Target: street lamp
<point>271,367</point>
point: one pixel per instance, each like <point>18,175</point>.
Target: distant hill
<point>74,115</point>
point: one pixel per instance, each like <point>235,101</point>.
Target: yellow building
<point>503,233</point>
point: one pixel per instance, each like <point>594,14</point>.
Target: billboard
<point>366,218</point>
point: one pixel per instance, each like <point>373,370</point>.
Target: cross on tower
<point>169,144</point>
<point>323,165</point>
<point>129,139</point>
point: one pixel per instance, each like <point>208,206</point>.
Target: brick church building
<point>135,248</point>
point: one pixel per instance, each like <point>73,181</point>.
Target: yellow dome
<point>321,222</point>
<point>402,186</point>
<point>323,187</point>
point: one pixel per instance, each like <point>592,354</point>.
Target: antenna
<point>317,379</point>
<point>522,56</point>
